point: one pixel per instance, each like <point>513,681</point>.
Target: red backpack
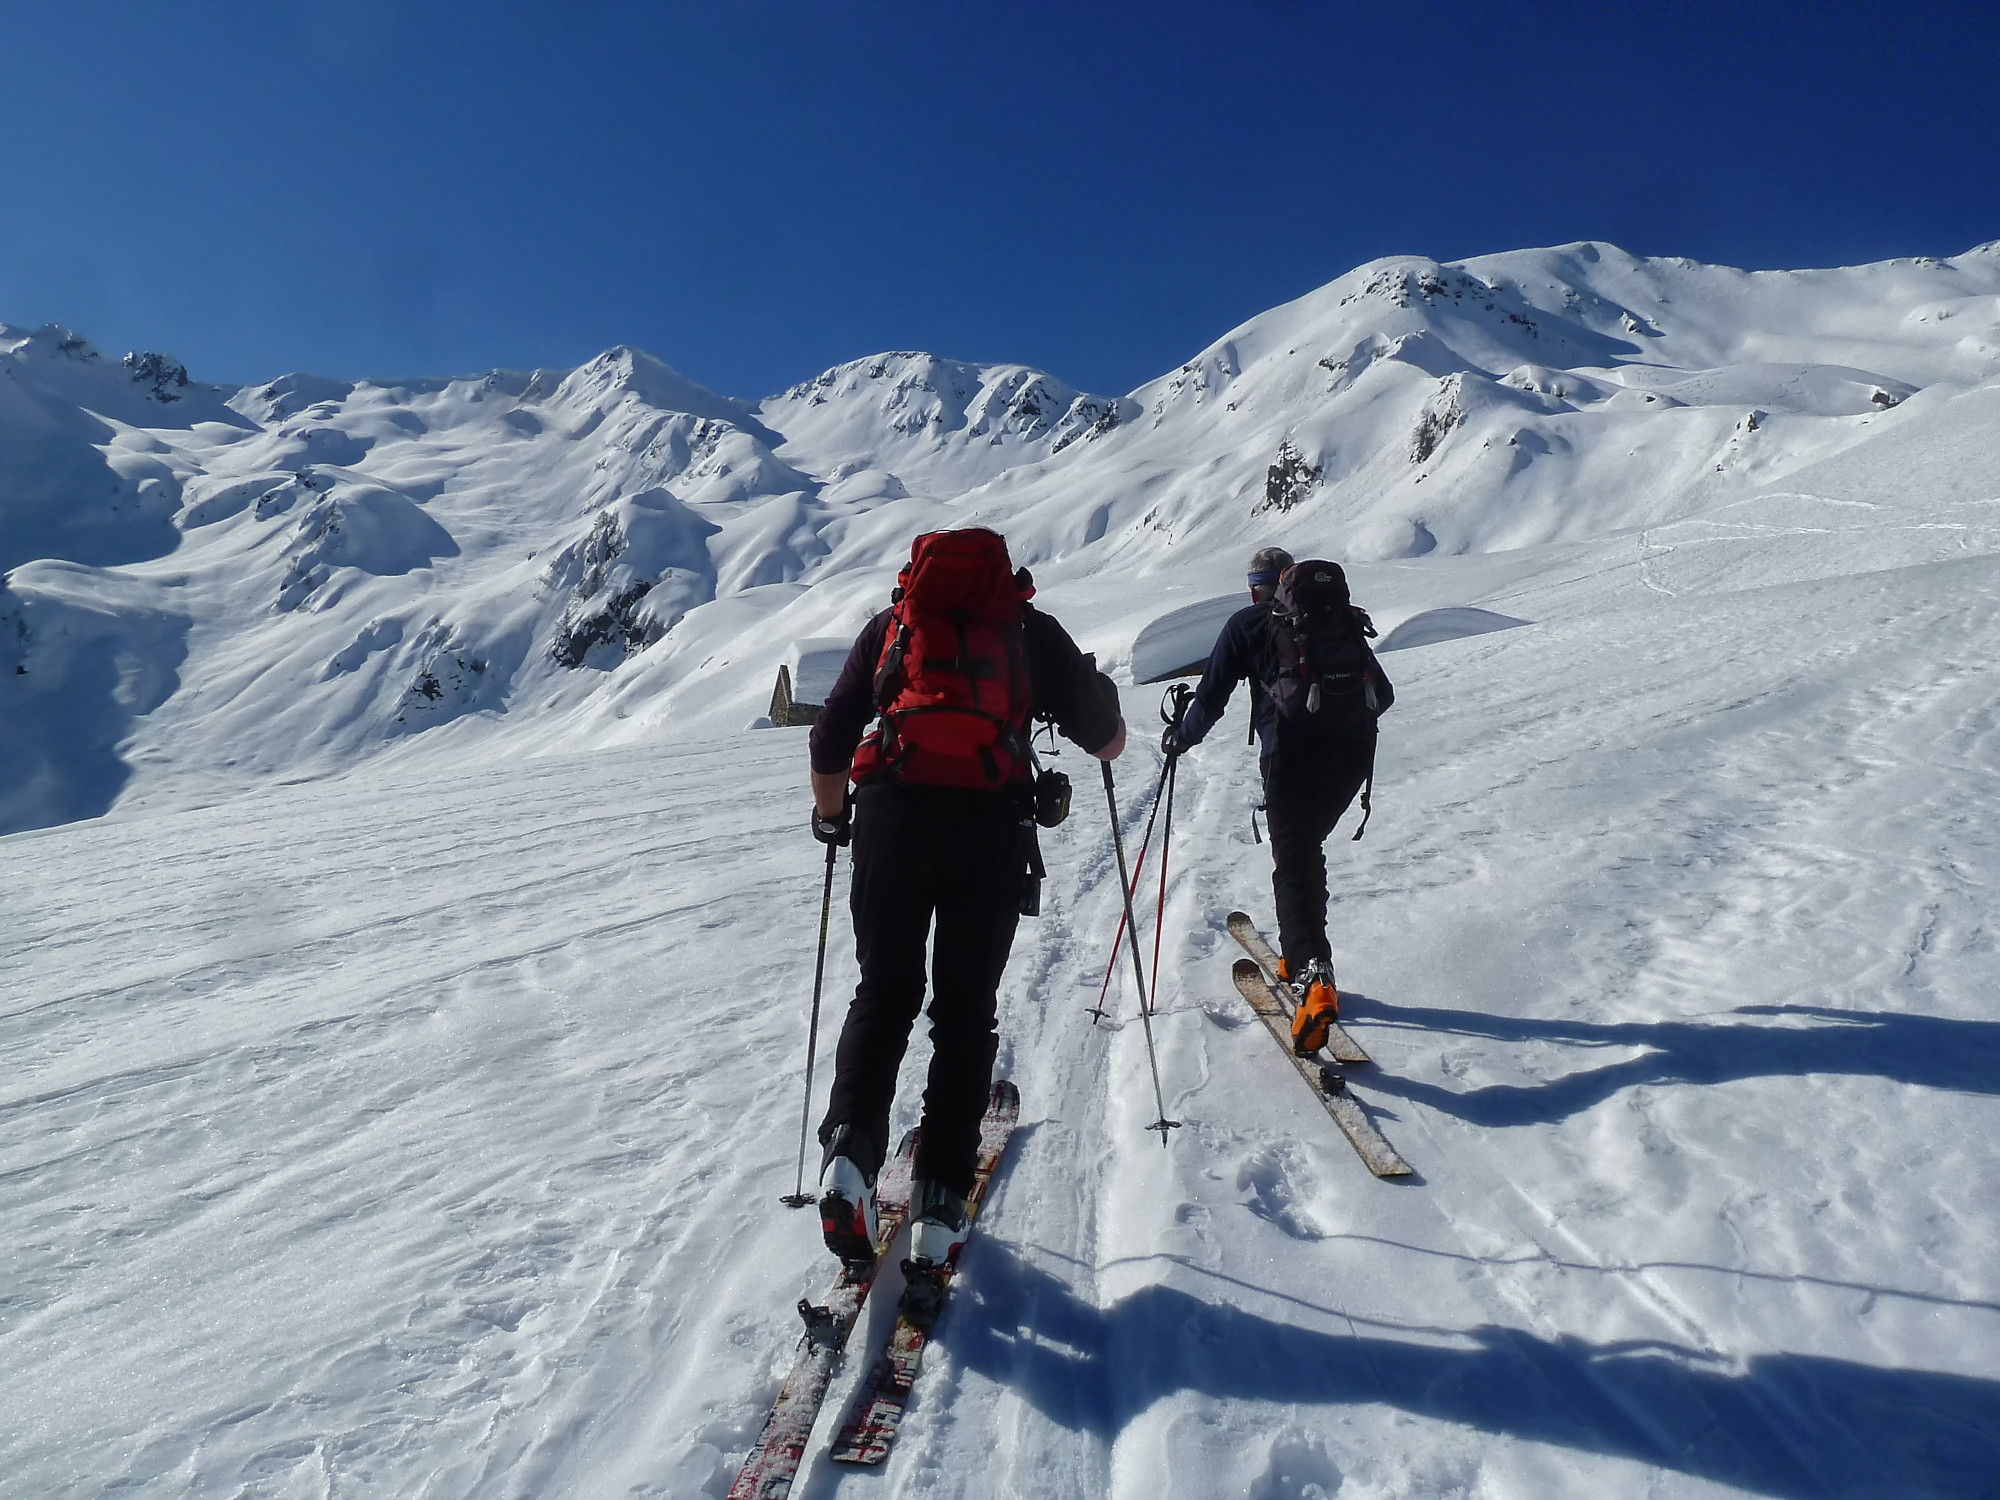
<point>952,683</point>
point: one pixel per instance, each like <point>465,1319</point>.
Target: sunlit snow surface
<point>405,1113</point>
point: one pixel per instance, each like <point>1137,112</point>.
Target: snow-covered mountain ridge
<point>204,582</point>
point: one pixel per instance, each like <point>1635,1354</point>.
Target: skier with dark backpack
<point>1316,693</point>
<point>942,818</point>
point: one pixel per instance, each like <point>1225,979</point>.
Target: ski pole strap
<point>1367,788</point>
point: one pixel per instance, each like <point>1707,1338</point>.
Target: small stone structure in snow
<point>805,678</point>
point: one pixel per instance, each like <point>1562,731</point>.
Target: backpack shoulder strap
<point>895,644</point>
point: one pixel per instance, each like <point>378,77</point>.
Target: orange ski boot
<point>1319,1005</point>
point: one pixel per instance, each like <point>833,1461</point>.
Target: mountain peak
<point>942,424</point>
<point>632,371</point>
<point>50,341</point>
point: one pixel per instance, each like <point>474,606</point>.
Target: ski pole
<point>799,1197</point>
<point>1160,911</point>
<point>1172,704</point>
<point>1098,1012</point>
<point>1163,1124</point>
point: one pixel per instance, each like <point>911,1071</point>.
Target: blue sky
<point>756,189</point>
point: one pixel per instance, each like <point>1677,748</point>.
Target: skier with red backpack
<point>1316,692</point>
<point>942,819</point>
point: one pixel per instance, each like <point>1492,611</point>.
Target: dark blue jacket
<point>1240,654</point>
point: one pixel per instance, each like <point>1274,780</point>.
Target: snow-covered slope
<point>1411,407</point>
<point>82,474</point>
<point>402,1108</point>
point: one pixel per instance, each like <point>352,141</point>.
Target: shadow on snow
<point>1786,1425</point>
<point>1931,1051</point>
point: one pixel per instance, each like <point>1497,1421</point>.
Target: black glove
<point>1172,707</point>
<point>836,830</point>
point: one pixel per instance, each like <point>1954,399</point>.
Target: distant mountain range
<point>204,584</point>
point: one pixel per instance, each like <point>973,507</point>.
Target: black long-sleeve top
<point>1064,681</point>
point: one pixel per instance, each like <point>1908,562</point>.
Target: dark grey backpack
<point>1318,669</point>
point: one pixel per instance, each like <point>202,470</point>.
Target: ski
<point>773,1464</point>
<point>1273,1008</point>
<point>1327,1084</point>
<point>1344,1048</point>
<point>877,1411</point>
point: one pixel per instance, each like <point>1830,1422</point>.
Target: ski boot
<point>937,1233</point>
<point>1319,1004</point>
<point>846,1201</point>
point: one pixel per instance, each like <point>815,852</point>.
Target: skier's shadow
<point>1932,1051</point>
<point>1794,1426</point>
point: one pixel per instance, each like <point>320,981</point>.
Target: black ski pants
<point>925,855</point>
<point>1308,784</point>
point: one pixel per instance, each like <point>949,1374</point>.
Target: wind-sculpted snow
<point>644,564</point>
<point>85,653</point>
<point>78,480</point>
<point>1435,625</point>
<point>362,526</point>
<point>1178,642</point>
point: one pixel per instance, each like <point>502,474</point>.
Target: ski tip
<point>1005,1095</point>
<point>1241,919</point>
<point>1244,967</point>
